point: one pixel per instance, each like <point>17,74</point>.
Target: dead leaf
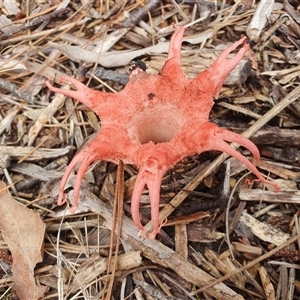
<point>109,59</point>
<point>23,230</point>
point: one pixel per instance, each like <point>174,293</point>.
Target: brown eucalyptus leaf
<point>23,230</point>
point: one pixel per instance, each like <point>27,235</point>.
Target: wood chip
<point>264,231</point>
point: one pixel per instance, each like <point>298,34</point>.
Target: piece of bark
<point>287,154</point>
<point>291,284</point>
<point>291,11</point>
<point>203,233</point>
<point>30,182</point>
<point>282,286</point>
<point>279,169</point>
<point>6,24</point>
<point>181,241</point>
<point>5,124</point>
<point>13,88</point>
<point>153,291</point>
<point>247,248</point>
<point>33,22</point>
<point>11,6</point>
<point>106,74</point>
<point>140,13</point>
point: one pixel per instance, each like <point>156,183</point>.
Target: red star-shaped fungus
<point>156,121</point>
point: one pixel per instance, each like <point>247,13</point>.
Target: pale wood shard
<point>35,171</point>
<point>11,6</point>
<point>15,65</point>
<point>225,266</point>
<point>97,265</point>
<point>181,245</point>
<point>266,283</point>
<point>31,154</point>
<point>264,231</point>
<point>292,197</point>
<point>247,248</point>
<point>6,25</point>
<point>203,233</point>
<point>5,124</point>
<point>259,19</point>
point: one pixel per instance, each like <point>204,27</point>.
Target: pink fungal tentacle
<point>139,185</point>
<point>222,66</point>
<point>83,159</point>
<point>85,163</point>
<point>82,93</point>
<point>224,147</point>
<point>83,166</point>
<point>62,196</point>
<point>214,137</point>
<point>150,174</point>
<point>175,44</point>
<point>106,150</point>
<point>231,63</point>
<point>172,65</point>
<point>154,193</point>
<point>218,135</point>
<point>234,137</point>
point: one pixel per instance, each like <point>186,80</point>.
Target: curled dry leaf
<point>110,59</point>
<point>23,230</point>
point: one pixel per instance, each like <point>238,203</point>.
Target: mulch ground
<point>224,238</point>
